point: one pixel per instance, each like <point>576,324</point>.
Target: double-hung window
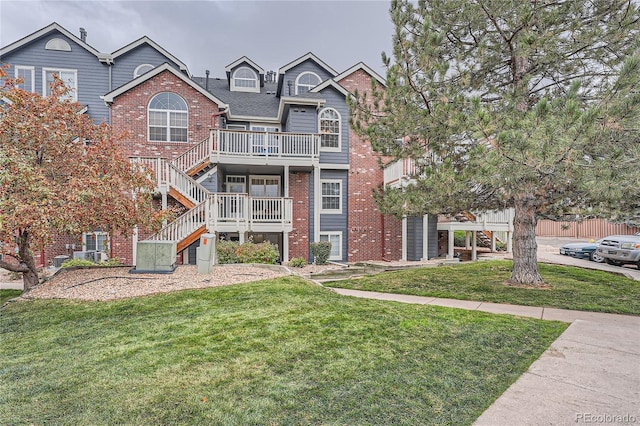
<point>96,241</point>
<point>27,74</point>
<point>335,238</point>
<point>68,77</point>
<point>245,80</point>
<point>306,81</point>
<point>331,193</point>
<point>329,124</point>
<point>168,118</point>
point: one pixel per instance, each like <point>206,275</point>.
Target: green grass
<point>8,294</point>
<point>272,352</point>
<point>569,287</point>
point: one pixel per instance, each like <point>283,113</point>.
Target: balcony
<point>400,173</point>
<point>275,148</point>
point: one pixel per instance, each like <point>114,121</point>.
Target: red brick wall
<point>366,223</point>
<point>299,236</point>
<point>129,114</point>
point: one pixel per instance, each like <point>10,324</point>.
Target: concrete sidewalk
<point>589,375</point>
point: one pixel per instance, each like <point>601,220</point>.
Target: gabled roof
<point>305,57</point>
<point>237,62</point>
<point>146,40</point>
<point>330,83</point>
<point>44,31</point>
<point>364,67</point>
<point>109,97</point>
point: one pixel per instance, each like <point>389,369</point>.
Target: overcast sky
<point>212,34</point>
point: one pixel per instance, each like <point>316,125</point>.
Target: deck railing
<point>399,171</point>
<point>265,144</point>
<point>237,212</point>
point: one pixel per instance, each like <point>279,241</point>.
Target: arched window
<point>245,80</point>
<point>58,44</point>
<point>168,118</point>
<point>141,69</point>
<point>329,129</point>
<point>306,81</point>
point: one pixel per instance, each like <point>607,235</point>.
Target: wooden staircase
<point>484,237</point>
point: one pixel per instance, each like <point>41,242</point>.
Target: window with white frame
<point>27,74</point>
<point>329,129</point>
<point>96,241</point>
<point>335,238</point>
<point>69,78</point>
<point>168,118</point>
<point>141,69</point>
<point>245,80</point>
<point>306,81</point>
<point>331,194</point>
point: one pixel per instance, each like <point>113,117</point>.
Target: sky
<point>212,34</point>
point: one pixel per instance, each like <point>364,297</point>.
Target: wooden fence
<point>590,228</point>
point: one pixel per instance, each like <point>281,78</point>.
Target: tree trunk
<point>525,249</point>
<point>30,275</point>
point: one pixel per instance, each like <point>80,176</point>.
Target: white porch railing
<point>231,213</point>
<point>264,144</point>
<point>399,171</point>
<point>167,174</point>
<point>196,155</point>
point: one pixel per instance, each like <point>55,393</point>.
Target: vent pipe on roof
<point>289,83</point>
<point>83,34</point>
<point>206,81</point>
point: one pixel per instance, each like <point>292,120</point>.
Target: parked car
<point>620,249</point>
<point>584,250</point>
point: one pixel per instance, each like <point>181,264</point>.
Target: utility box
<point>157,257</point>
<point>59,260</point>
<point>205,254</point>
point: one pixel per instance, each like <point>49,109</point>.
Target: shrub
<point>459,239</point>
<point>249,252</point>
<point>321,252</point>
<point>226,251</point>
<point>78,262</point>
<point>257,253</point>
<point>298,262</point>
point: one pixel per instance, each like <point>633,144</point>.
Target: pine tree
<point>524,104</point>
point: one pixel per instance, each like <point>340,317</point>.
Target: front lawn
<point>568,287</point>
<point>8,294</point>
<point>281,351</point>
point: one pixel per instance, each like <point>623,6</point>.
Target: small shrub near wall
<point>249,252</point>
<point>321,252</point>
<point>298,262</point>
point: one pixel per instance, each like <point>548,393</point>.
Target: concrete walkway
<point>589,375</point>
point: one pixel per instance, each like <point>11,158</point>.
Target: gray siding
<point>414,237</point>
<point>211,183</point>
<point>302,119</point>
<point>125,65</point>
<point>92,75</point>
<point>337,101</point>
<point>332,222</point>
<point>292,74</point>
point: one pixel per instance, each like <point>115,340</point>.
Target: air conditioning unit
<point>100,256</point>
<point>85,255</point>
<point>59,260</point>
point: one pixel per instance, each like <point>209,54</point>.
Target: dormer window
<point>245,80</point>
<point>306,81</point>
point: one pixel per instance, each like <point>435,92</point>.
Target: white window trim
<point>242,180</point>
<point>329,234</point>
<point>300,76</point>
<point>58,43</point>
<point>136,72</point>
<point>331,211</point>
<point>265,177</point>
<point>168,122</point>
<point>45,85</point>
<point>33,76</point>
<point>236,127</point>
<point>96,233</point>
<point>235,88</point>
<point>339,147</point>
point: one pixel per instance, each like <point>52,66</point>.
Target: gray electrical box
<point>155,257</point>
<point>205,254</point>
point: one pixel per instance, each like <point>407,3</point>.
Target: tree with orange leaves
<point>60,173</point>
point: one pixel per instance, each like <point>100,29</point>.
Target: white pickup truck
<point>621,249</point>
